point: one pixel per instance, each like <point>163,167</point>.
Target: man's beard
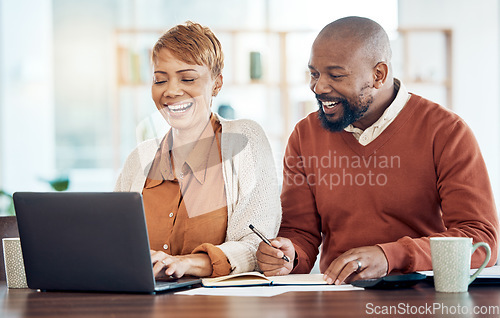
<point>352,112</point>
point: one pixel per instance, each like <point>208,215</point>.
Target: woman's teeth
<point>329,104</point>
<point>177,108</point>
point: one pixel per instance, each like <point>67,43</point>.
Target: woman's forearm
<point>199,264</point>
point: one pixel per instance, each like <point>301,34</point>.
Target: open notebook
<point>258,279</point>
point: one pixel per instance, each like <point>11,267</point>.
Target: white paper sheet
<point>263,291</point>
<point>488,272</point>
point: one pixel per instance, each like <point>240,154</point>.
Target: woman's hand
<point>177,266</point>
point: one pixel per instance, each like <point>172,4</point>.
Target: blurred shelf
<point>442,51</point>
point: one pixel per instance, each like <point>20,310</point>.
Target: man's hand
<point>270,258</point>
<point>371,261</point>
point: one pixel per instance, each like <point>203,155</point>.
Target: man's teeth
<point>329,104</point>
<point>179,107</point>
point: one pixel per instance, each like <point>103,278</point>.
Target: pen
<point>262,237</point>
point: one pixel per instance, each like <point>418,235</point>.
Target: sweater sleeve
<point>126,176</point>
<point>220,264</point>
<point>254,191</point>
<point>136,167</point>
<point>467,204</point>
<point>301,221</point>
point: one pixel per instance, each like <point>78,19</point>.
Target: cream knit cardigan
<point>251,186</point>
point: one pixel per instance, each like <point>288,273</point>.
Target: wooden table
<point>419,301</point>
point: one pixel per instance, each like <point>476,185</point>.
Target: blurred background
<point>75,76</point>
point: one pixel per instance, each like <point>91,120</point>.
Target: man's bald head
<point>361,33</point>
<point>351,73</point>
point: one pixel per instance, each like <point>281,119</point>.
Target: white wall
<point>26,102</point>
<point>476,79</point>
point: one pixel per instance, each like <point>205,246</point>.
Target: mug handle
<point>488,256</point>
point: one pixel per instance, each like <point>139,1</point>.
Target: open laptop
<point>87,241</point>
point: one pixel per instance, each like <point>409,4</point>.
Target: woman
<point>208,178</point>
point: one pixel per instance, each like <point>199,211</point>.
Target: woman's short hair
<point>192,43</point>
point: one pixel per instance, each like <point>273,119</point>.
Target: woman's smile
<point>179,107</point>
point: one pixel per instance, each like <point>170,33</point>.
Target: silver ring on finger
<point>359,265</point>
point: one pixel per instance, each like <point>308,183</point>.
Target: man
<point>376,171</point>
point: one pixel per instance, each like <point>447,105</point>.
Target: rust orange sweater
<point>423,176</point>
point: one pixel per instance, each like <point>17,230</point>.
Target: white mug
<point>451,260</point>
<point>14,263</point>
